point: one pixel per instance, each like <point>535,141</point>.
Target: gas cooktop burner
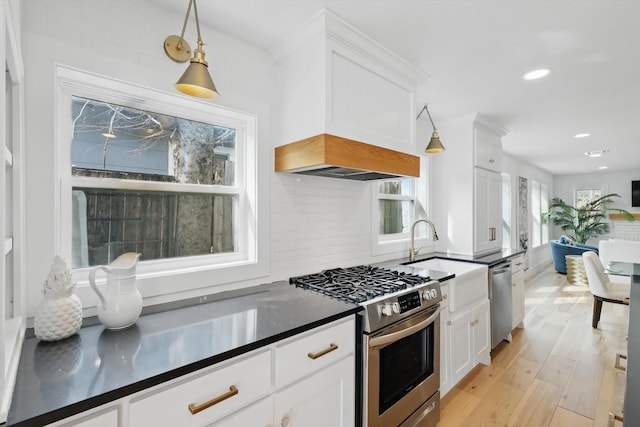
<point>358,284</point>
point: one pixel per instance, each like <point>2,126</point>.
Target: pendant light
<point>196,80</point>
<point>434,146</point>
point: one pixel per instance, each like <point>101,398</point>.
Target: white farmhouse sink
<point>469,285</point>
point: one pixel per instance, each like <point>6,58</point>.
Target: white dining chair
<point>603,289</point>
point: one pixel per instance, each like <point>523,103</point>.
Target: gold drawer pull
<point>197,408</point>
<point>618,365</point>
<point>314,356</point>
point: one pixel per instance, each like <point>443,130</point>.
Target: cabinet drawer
<point>517,264</point>
<point>304,355</point>
<point>251,377</point>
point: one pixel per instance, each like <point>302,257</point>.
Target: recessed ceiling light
<point>596,153</point>
<point>603,167</point>
<point>537,74</point>
<point>582,135</point>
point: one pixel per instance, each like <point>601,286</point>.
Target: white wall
<point>609,182</point>
<point>121,40</point>
<point>540,257</point>
<point>306,223</point>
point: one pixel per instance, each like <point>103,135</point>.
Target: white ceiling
<point>476,51</point>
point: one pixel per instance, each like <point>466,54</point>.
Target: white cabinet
<point>445,340</point>
<point>104,416</point>
<point>468,176</point>
<point>258,415</point>
<point>482,333</point>
<point>206,395</point>
<point>488,210</point>
<point>487,147</point>
<point>517,292</point>
<point>470,340</point>
<point>324,399</point>
<point>311,352</point>
<point>306,380</point>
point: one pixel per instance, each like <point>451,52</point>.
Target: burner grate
<point>358,284</point>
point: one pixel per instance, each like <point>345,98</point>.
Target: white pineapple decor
<point>60,314</point>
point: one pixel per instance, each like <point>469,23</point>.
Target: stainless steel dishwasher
<point>501,304</point>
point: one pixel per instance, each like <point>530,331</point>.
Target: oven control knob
<point>386,310</point>
<point>434,293</point>
<point>395,307</point>
<point>426,295</point>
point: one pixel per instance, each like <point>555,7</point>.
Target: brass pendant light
<point>196,80</point>
<point>434,146</point>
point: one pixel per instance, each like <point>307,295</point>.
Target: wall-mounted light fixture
<point>196,80</point>
<point>434,146</point>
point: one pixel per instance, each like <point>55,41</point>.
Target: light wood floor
<point>557,371</point>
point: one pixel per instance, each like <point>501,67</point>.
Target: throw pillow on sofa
<point>566,241</point>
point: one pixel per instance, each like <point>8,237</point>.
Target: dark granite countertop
<point>490,260</point>
<point>60,379</point>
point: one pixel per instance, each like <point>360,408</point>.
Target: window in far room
<point>506,210</point>
<point>539,205</point>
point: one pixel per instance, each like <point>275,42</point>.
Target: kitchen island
<point>57,380</point>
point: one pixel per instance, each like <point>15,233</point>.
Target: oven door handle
<point>395,336</point>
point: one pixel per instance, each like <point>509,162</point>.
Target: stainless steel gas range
<point>400,341</point>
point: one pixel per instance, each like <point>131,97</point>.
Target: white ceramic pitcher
<point>120,305</point>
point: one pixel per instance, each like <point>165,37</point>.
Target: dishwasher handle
<point>504,268</point>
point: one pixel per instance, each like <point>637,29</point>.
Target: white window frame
<point>539,205</point>
<point>544,207</point>
<point>154,275</point>
<point>400,242</point>
<point>12,233</point>
<point>536,215</point>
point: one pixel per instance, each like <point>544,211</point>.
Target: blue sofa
<point>559,249</point>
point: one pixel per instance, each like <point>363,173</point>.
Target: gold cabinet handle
<point>618,365</point>
<point>197,408</point>
<point>331,348</point>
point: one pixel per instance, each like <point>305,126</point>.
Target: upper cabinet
<point>333,79</point>
<point>487,146</point>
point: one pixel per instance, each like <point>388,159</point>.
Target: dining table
<point>631,417</point>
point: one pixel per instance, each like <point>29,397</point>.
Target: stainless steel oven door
<point>402,371</point>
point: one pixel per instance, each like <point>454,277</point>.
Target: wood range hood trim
<point>336,157</point>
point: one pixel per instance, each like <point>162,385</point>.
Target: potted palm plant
<point>582,223</point>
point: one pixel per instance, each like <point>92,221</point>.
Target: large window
<point>115,143</point>
<point>154,173</point>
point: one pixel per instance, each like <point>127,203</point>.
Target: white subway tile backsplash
<point>627,230</point>
<point>319,223</point>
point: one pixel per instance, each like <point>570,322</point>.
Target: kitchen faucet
<point>412,251</point>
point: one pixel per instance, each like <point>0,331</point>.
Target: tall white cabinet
<point>468,175</point>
